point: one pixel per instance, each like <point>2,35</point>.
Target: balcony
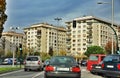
<point>68,46</point>
<point>38,35</point>
<point>89,41</point>
<point>68,30</point>
<point>38,45</point>
<point>68,39</point>
<point>68,25</point>
<point>89,27</point>
<point>68,33</point>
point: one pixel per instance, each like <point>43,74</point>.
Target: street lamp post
<point>57,19</point>
<point>14,29</point>
<point>112,18</point>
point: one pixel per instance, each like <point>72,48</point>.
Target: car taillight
<point>39,62</point>
<point>102,65</point>
<point>49,68</point>
<point>24,62</point>
<point>76,69</point>
<point>118,66</point>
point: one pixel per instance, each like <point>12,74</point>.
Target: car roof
<point>33,56</point>
<point>114,55</point>
<point>63,56</point>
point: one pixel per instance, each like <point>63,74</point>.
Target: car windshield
<point>112,58</point>
<point>32,59</point>
<point>63,60</point>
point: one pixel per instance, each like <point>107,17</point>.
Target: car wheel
<point>25,69</point>
<point>39,69</point>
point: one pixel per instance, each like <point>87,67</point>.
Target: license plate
<point>110,66</point>
<point>63,69</point>
<point>97,67</point>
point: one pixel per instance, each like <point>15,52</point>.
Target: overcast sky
<point>24,13</point>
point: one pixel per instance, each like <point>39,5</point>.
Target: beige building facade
<point>12,41</point>
<point>43,36</point>
<point>86,31</point>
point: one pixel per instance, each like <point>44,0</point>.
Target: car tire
<point>25,69</point>
<point>39,69</point>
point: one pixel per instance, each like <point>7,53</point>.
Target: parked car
<point>33,63</point>
<point>111,66</point>
<point>1,61</point>
<point>83,63</point>
<point>9,61</point>
<point>62,67</point>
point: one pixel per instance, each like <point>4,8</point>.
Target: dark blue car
<point>111,66</point>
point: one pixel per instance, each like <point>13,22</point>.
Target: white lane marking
<point>38,74</point>
<point>10,72</point>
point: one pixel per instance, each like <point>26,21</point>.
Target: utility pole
<point>57,19</point>
<point>14,45</point>
<point>112,21</point>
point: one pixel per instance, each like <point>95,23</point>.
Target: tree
<point>37,53</point>
<point>44,56</point>
<point>108,47</point>
<point>9,54</point>
<point>1,52</point>
<point>94,50</point>
<point>62,52</point>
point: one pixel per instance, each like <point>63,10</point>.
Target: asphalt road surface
<point>40,74</point>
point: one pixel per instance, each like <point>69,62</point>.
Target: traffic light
<point>50,51</point>
<point>74,23</point>
<point>20,46</point>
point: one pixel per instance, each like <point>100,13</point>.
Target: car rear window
<point>32,59</point>
<point>57,60</point>
<point>111,58</point>
<point>94,58</point>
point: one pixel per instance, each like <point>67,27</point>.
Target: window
<point>79,49</point>
<point>73,44</point>
<point>93,58</point>
<point>73,36</point>
<point>78,40</point>
<point>74,40</point>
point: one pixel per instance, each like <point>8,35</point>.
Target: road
<point>39,74</point>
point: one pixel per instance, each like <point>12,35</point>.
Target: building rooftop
<point>89,18</point>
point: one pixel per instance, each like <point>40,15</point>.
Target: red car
<point>94,59</point>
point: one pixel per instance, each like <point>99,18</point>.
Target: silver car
<point>33,63</point>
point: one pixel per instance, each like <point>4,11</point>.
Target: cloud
<point>26,12</point>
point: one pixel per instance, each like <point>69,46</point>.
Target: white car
<point>33,63</point>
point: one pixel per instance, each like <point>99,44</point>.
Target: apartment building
<point>86,31</point>
<point>42,37</point>
<point>11,41</point>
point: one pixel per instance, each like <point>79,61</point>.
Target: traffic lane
<point>21,74</point>
<point>40,74</point>
<point>86,74</point>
